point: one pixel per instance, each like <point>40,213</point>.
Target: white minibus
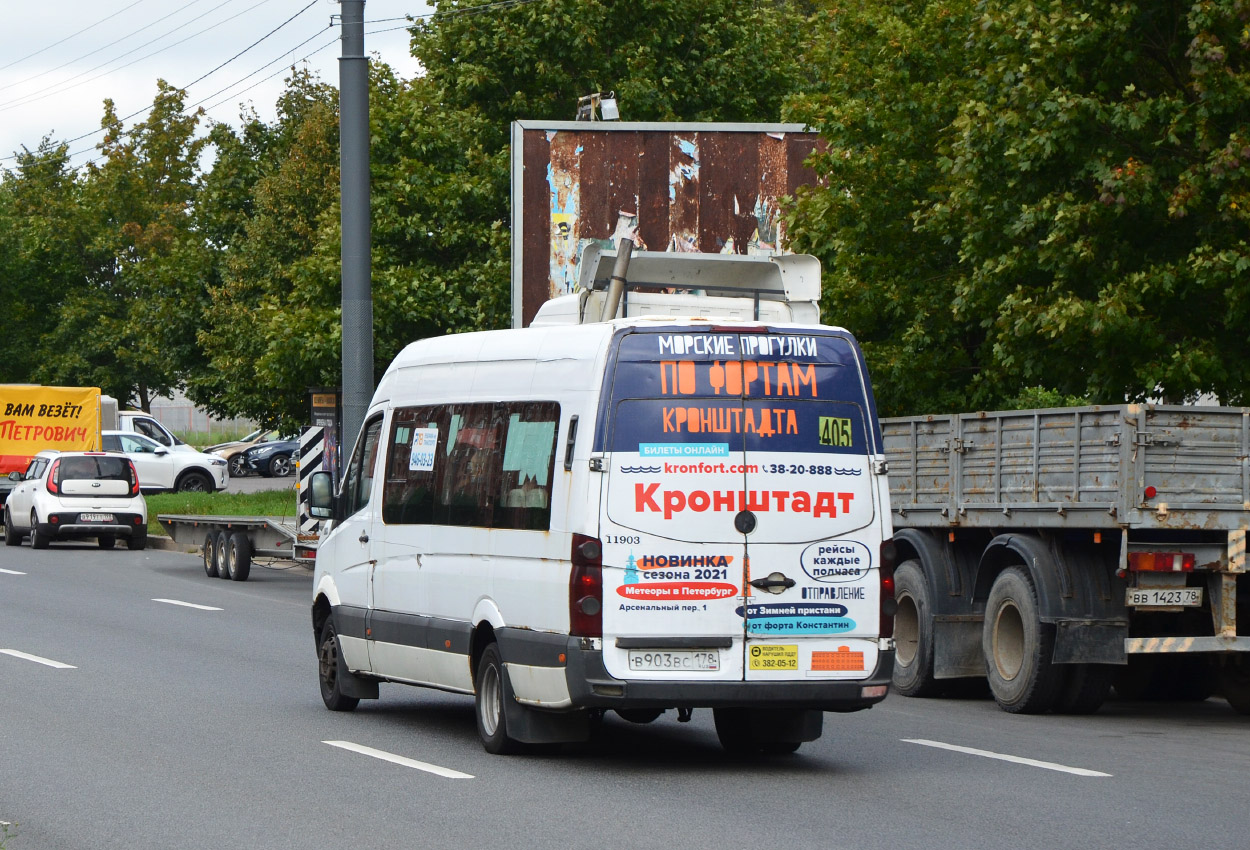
<point>639,515</point>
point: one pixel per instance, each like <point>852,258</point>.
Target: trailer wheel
<point>239,556</point>
<point>913,633</point>
<point>1235,685</point>
<point>220,539</point>
<point>491,689</point>
<point>209,551</point>
<point>1018,646</point>
<point>329,666</point>
<point>1085,688</point>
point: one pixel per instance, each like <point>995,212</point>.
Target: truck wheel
<point>1085,688</point>
<point>491,689</point>
<point>239,556</point>
<point>194,482</point>
<point>106,541</point>
<point>329,666</point>
<point>1235,685</point>
<point>1018,646</point>
<point>12,537</point>
<point>913,633</point>
<point>209,551</point>
<point>220,539</point>
<point>280,465</point>
<point>38,540</point>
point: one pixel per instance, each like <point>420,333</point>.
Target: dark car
<point>273,458</point>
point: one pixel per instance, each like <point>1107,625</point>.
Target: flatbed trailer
<point>229,543</point>
<point>1057,551</point>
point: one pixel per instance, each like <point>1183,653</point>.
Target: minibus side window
<point>467,481</point>
<point>358,480</point>
<point>528,460</point>
<point>479,465</point>
<point>418,438</point>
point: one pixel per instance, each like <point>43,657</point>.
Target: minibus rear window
<point>793,391</point>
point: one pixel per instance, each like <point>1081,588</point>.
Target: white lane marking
<point>11,573</point>
<point>37,659</point>
<point>1062,768</point>
<point>188,605</point>
<point>400,760</point>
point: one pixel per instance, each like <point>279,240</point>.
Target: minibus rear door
<point>813,602</point>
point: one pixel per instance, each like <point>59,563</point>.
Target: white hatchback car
<point>70,495</point>
<point>161,469</point>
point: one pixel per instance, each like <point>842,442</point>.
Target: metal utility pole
<point>354,187</point>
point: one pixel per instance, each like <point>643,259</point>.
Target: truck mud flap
<point>1081,642</point>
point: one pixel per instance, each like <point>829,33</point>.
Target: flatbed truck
<point>1058,551</point>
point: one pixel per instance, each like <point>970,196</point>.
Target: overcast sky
<point>59,59</point>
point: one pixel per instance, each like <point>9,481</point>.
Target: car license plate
<point>1162,597</point>
<point>95,518</point>
<point>705,660</point>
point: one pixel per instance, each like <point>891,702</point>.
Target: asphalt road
<point>130,720</point>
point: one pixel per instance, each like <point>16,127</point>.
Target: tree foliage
<point>1021,202</point>
<point>112,276</point>
<point>1071,207</point>
<point>440,175</point>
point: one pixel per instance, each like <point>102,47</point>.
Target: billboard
<point>710,188</point>
<point>34,418</point>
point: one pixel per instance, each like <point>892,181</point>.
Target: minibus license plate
<point>1145,597</point>
<point>676,659</point>
<point>95,517</point>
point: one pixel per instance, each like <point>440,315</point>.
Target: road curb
<point>167,544</point>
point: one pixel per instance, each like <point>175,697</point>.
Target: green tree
<point>270,210</point>
<point>128,325</point>
<point>42,252</point>
<point>1098,180</point>
<point>885,81</point>
<point>1034,199</point>
<point>440,174</point>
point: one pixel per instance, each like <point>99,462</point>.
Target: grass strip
<point>276,503</point>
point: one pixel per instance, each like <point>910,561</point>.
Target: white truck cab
<point>139,422</point>
<point>649,513</point>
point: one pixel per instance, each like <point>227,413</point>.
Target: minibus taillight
<point>53,487</point>
<point>586,588</point>
<point>888,604</point>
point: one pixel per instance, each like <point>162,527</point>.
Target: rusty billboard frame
<point>708,187</point>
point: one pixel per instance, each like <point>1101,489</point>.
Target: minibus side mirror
<point>321,495</point>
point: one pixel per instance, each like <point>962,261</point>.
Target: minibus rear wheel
<point>492,689</point>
